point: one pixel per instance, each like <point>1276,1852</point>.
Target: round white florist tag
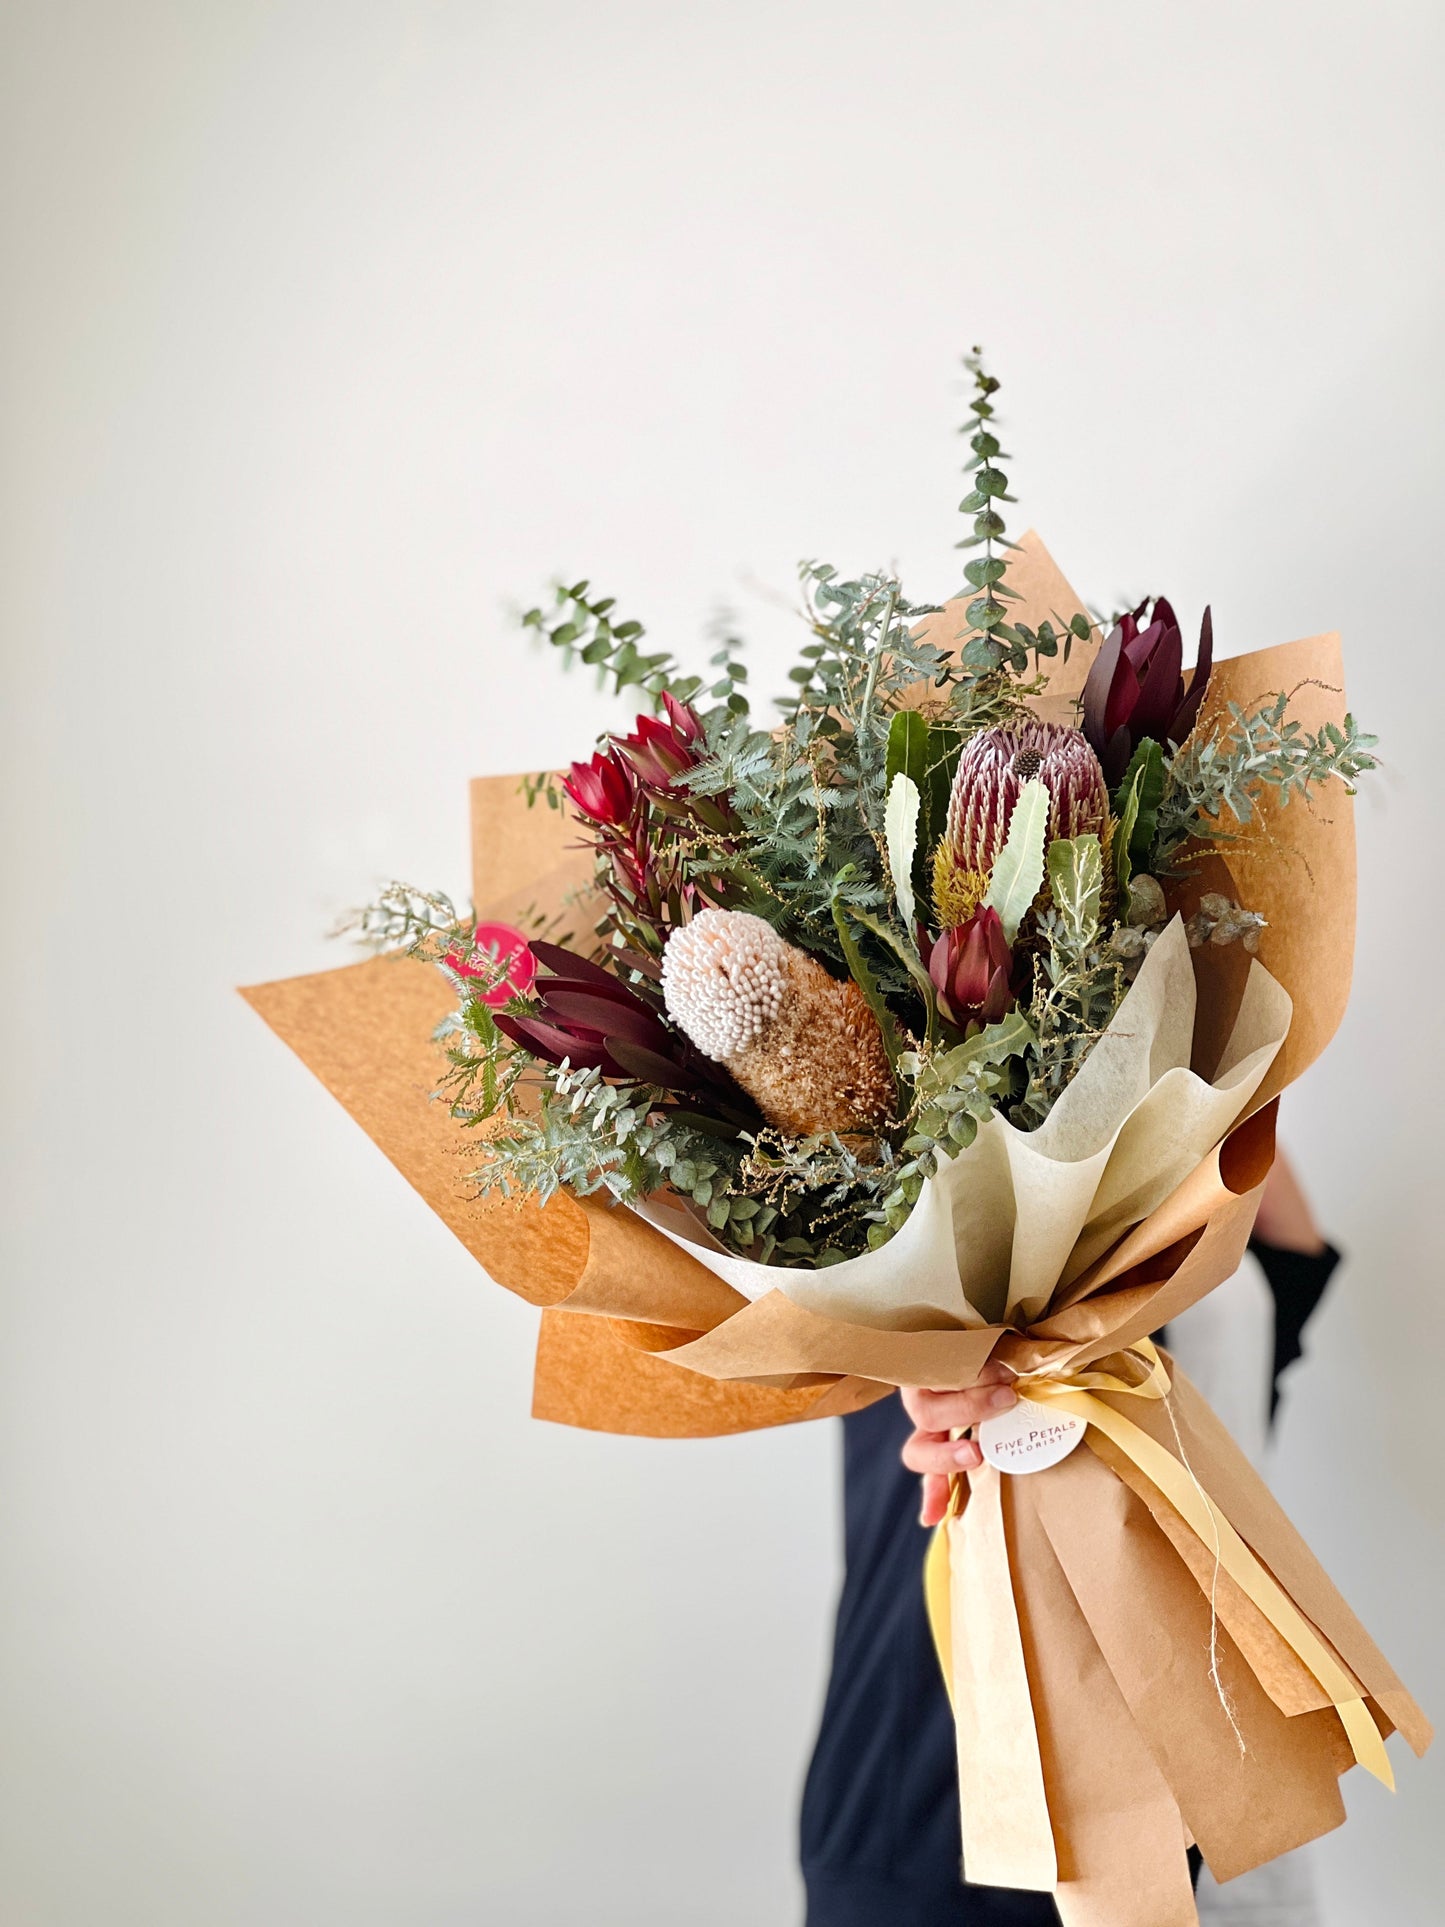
<point>1029,1437</point>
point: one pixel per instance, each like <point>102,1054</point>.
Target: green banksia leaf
<point>1143,785</point>
<point>907,751</point>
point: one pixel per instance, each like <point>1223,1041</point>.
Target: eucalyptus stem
<point>985,573</point>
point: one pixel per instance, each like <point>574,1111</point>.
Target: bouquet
<point>939,1021</point>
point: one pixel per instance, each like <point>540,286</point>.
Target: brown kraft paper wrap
<point>1081,1600</point>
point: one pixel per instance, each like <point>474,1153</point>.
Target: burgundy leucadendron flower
<point>659,752</point>
<point>1136,686</point>
<point>971,968</point>
<point>603,789</point>
<point>585,1016</point>
<point>647,825</point>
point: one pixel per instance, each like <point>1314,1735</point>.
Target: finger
<point>955,1411</point>
<point>937,1452</point>
<point>993,1373</point>
<point>935,1499</point>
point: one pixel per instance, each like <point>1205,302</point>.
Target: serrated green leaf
<point>863,976</point>
<point>1019,870</point>
<point>1144,780</point>
<point>1010,1037</point>
<point>939,1078</point>
<point>1123,836</point>
<point>905,954</point>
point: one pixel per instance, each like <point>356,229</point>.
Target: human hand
<point>931,1451</point>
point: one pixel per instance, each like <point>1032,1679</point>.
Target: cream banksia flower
<point>992,769</point>
<point>805,1047</point>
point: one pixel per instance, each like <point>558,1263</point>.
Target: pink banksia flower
<point>971,968</point>
<point>992,769</point>
<point>804,1046</point>
<point>1136,685</point>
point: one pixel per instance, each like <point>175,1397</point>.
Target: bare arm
<point>1285,1218</point>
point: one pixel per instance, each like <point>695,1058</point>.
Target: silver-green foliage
<point>1216,777</point>
<point>585,630</point>
<point>812,797</point>
<point>1078,982</point>
<point>953,1092</point>
<point>590,1136</point>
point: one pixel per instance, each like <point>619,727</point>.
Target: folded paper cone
<point>1093,1739</point>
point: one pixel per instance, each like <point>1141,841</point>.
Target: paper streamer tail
<point>1127,1676</point>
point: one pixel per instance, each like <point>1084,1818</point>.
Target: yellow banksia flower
<point>957,893</point>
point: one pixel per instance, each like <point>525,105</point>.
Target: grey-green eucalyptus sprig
<point>585,631</point>
<point>1216,779</point>
<point>997,643</point>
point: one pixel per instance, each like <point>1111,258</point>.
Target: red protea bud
<point>604,789</point>
<point>992,769</point>
<point>971,968</point>
<point>1136,685</point>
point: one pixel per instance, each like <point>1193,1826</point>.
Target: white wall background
<point>327,330</point>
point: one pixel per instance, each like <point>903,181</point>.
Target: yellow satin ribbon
<point>1074,1393</point>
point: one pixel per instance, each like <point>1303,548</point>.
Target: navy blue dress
<point>881,1845</point>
